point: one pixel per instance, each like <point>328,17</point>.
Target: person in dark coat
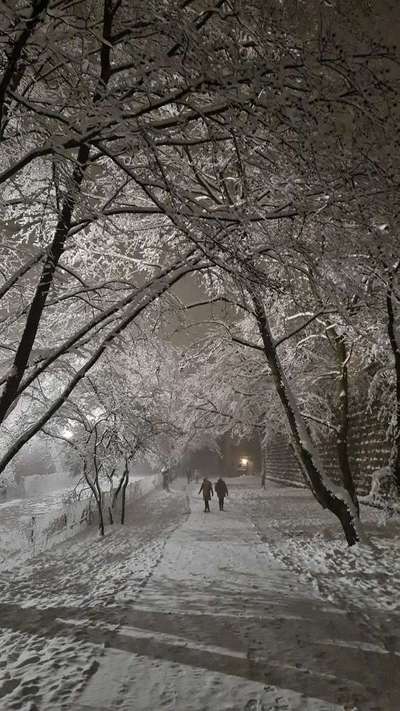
<point>208,492</point>
<point>165,478</point>
<point>221,491</point>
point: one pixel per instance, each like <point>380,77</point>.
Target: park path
<point>222,626</point>
<point>185,611</point>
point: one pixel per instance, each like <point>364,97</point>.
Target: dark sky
<point>190,291</point>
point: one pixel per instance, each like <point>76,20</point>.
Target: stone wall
<point>369,449</point>
<point>280,461</point>
<point>368,445</point>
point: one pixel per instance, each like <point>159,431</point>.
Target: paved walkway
<point>221,626</point>
<point>185,611</point>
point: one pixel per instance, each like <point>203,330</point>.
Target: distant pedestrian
<point>208,492</point>
<point>165,478</point>
<point>221,491</point>
<point>32,531</point>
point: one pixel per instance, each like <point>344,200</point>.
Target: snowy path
<point>187,612</point>
<point>222,626</point>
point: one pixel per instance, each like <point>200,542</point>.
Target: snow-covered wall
<point>280,462</point>
<point>369,450</point>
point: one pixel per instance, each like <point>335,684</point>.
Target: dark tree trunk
<point>300,437</point>
<point>338,343</point>
<point>117,490</point>
<point>395,453</point>
<point>123,492</point>
<point>57,245</point>
<point>99,501</point>
<point>97,487</point>
<point>96,491</point>
<point>263,465</point>
<point>262,453</point>
<point>13,71</point>
<point>111,498</point>
<point>343,421</point>
<point>46,279</point>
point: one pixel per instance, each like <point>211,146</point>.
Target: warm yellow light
<point>244,461</point>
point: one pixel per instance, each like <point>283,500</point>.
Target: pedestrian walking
<point>165,478</point>
<point>221,491</point>
<point>32,531</point>
<point>208,492</point>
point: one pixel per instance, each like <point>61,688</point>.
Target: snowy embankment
<point>52,520</point>
<point>309,541</point>
<point>60,610</point>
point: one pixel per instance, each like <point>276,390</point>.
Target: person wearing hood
<point>165,478</point>
<point>208,492</point>
<point>221,491</point>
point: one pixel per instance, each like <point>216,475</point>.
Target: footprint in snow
<point>254,705</point>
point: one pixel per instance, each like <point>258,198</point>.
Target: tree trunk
<point>123,495</point>
<point>338,344</point>
<point>395,450</point>
<point>262,454</point>
<point>117,490</point>
<point>99,502</point>
<point>330,496</point>
<point>57,245</point>
<point>96,491</point>
<point>165,481</point>
<point>99,495</point>
<point>46,279</point>
<point>11,73</point>
<point>343,424</point>
<point>111,498</point>
<point>263,472</point>
<point>263,468</point>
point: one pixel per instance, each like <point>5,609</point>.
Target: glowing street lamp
<point>244,461</point>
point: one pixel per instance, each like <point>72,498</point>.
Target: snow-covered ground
<point>363,581</point>
<point>31,524</point>
<point>59,610</point>
<point>309,541</point>
<point>200,634</point>
<point>183,611</point>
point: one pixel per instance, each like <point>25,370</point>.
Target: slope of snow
<point>310,541</point>
<point>195,612</point>
<point>33,525</point>
<point>59,611</point>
